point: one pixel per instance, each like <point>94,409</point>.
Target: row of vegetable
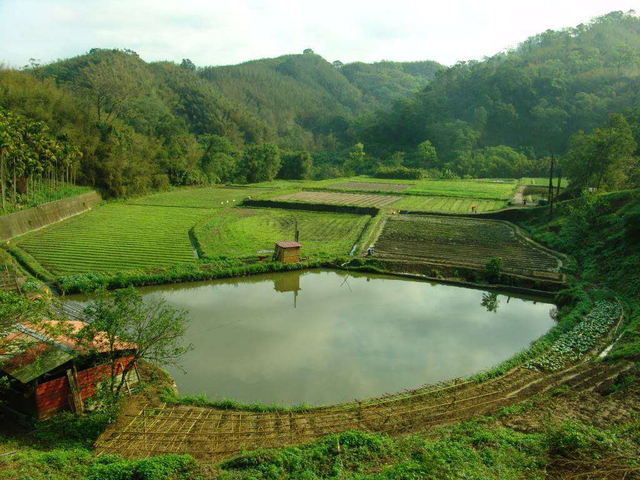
<point>572,345</point>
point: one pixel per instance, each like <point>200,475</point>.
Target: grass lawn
<point>242,232</point>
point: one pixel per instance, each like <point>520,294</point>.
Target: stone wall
<point>19,223</point>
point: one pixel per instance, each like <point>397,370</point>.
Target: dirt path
<point>518,196</point>
<point>212,435</point>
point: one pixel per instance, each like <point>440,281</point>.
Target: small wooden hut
<point>287,252</point>
<point>47,375</point>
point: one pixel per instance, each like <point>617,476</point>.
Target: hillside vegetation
<point>142,126</point>
<point>530,99</point>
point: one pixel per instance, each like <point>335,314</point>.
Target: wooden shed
<point>47,375</point>
<point>287,252</point>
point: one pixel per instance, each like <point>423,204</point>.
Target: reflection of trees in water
<point>490,302</point>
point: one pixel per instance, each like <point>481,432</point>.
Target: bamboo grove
<point>34,164</point>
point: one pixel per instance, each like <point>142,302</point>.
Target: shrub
<point>156,468</point>
<point>399,172</point>
<point>493,269</point>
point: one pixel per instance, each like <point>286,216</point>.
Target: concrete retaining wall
<point>19,223</point>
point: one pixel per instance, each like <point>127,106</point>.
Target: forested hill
<point>140,126</point>
<point>532,98</point>
<point>296,101</point>
<point>303,94</point>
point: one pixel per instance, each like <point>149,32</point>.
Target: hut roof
<point>30,351</point>
<point>288,244</point>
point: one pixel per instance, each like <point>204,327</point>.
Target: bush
<point>493,269</point>
<point>399,172</point>
<point>156,468</point>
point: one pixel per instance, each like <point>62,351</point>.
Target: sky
<point>223,32</point>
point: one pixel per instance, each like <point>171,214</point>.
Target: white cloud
<point>221,32</point>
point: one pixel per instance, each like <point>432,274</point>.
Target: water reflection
<point>490,301</point>
<point>329,336</point>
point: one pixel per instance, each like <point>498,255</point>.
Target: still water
<point>322,337</point>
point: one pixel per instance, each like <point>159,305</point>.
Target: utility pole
<point>550,195</point>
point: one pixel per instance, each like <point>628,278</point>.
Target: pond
<point>324,336</point>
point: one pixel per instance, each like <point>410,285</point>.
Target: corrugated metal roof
<point>29,352</point>
<point>288,244</point>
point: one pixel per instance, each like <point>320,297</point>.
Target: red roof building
<point>49,373</point>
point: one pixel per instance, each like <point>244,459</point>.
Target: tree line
<point>142,126</point>
<point>33,162</point>
<point>493,117</point>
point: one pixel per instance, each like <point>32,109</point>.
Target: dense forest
<point>137,126</point>
<point>525,103</point>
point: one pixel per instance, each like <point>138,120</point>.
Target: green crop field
<point>447,204</point>
<point>488,189</point>
<point>542,181</point>
<point>154,231</point>
<point>211,197</point>
<point>243,232</point>
<point>116,237</point>
<point>339,198</point>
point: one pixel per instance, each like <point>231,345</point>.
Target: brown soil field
<point>371,186</point>
<point>212,435</point>
<point>463,242</point>
<point>352,199</point>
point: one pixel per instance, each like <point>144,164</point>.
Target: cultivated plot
<point>352,199</point>
<point>463,242</point>
<point>542,181</point>
<point>487,189</point>
<point>116,237</point>
<point>211,197</point>
<point>447,204</point>
<point>478,189</point>
<point>370,186</point>
<point>243,232</point>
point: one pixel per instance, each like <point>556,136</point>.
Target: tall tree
<point>260,163</point>
<point>603,158</point>
<point>112,84</point>
<point>356,163</point>
<point>153,329</point>
<point>296,166</point>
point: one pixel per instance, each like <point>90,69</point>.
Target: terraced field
<point>479,189</point>
<point>486,189</point>
<point>242,232</point>
<point>370,186</point>
<point>447,204</point>
<point>116,237</point>
<point>330,198</point>
<point>211,197</point>
<point>541,181</point>
<point>461,242</point>
<point>212,435</point>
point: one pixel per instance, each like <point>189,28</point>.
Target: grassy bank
<point>471,450</point>
<point>602,234</point>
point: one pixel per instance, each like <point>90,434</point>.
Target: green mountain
<point>383,83</point>
<point>142,125</point>
<point>531,98</point>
